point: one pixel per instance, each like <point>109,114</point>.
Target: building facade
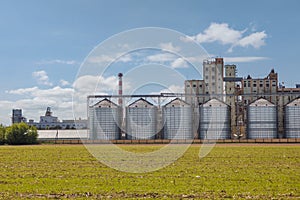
<point>212,84</point>
<point>17,116</point>
<point>213,73</point>
<point>254,88</point>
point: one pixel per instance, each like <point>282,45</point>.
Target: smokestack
<point>120,89</point>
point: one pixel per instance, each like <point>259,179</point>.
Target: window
<point>245,84</point>
<point>213,77</point>
<point>200,85</point>
<point>206,77</point>
<point>206,68</point>
<point>254,84</point>
<point>267,85</point>
<point>261,85</point>
<point>194,85</point>
<point>249,84</point>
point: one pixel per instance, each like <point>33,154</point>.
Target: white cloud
<point>42,77</point>
<point>219,32</point>
<point>179,63</point>
<point>161,57</point>
<point>64,83</point>
<point>169,47</point>
<point>222,33</point>
<point>244,59</point>
<point>255,39</point>
<point>58,61</point>
<point>94,84</point>
<point>168,59</point>
<point>187,38</point>
<point>110,58</point>
<point>48,94</point>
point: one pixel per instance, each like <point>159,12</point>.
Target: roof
<point>105,103</point>
<point>261,102</point>
<point>295,102</point>
<point>177,103</point>
<point>214,103</point>
<point>141,103</point>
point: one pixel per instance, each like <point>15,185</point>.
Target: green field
<point>232,171</point>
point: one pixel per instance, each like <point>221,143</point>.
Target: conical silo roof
<point>261,102</point>
<point>141,103</point>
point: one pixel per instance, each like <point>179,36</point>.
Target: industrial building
<point>214,120</point>
<point>141,120</point>
<point>261,119</point>
<point>105,120</point>
<point>200,91</point>
<point>48,121</point>
<point>177,115</point>
<point>292,119</point>
<point>220,106</point>
<point>17,116</point>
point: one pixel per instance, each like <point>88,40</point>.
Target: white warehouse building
<point>50,122</point>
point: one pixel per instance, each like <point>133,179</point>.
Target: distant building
<point>17,116</point>
<point>51,122</point>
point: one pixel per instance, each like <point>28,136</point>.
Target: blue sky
<point>43,43</point>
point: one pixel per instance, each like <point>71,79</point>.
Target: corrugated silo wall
<point>214,122</point>
<point>104,123</point>
<point>177,122</point>
<point>292,121</point>
<point>141,123</point>
<point>261,122</point>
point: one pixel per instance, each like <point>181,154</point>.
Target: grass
<point>69,171</point>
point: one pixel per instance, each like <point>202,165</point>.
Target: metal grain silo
<point>214,120</point>
<point>104,119</point>
<point>141,121</point>
<point>292,119</point>
<point>262,119</point>
<point>177,116</point>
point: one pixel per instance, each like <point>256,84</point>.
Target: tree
<point>2,134</point>
<point>21,133</point>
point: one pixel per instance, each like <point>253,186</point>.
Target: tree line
<point>18,134</point>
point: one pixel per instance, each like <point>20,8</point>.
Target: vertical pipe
<point>120,101</point>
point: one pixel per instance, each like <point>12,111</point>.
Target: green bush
<point>21,133</point>
<point>2,134</point>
